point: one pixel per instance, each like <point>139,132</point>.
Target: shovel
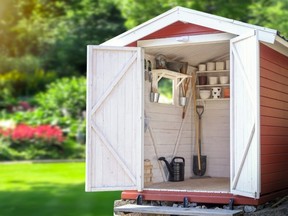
<point>199,161</point>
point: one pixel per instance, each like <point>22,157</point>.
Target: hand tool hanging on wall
<point>185,86</point>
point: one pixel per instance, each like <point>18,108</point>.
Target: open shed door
<point>114,118</point>
<point>245,138</point>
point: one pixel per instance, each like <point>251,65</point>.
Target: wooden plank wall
<point>274,120</point>
<point>178,29</point>
<point>216,137</point>
<point>165,121</point>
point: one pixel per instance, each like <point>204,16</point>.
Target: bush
<point>15,84</point>
<point>26,63</point>
<point>61,106</point>
<point>64,97</point>
<point>27,142</point>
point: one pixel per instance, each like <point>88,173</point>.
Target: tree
<point>138,11</point>
<point>270,13</point>
<point>85,22</point>
<point>267,13</point>
<point>57,31</point>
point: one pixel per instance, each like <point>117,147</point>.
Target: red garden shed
<point>244,134</point>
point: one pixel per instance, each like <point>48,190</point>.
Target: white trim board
<point>186,40</point>
<point>186,15</point>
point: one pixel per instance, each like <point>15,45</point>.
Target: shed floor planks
<point>195,184</point>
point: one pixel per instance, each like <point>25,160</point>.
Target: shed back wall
<point>274,120</point>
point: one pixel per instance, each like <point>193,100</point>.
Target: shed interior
<point>168,135</point>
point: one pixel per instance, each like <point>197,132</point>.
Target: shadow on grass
<point>46,199</point>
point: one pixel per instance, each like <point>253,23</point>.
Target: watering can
<point>175,168</point>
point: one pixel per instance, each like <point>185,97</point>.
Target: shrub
<point>26,63</point>
<point>64,97</point>
<point>60,106</point>
<point>15,84</point>
<point>28,142</point>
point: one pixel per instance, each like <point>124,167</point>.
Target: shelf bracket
<point>180,82</point>
<point>160,77</point>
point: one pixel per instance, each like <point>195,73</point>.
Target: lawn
<point>50,189</point>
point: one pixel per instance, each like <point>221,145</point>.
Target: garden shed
<point>244,128</point>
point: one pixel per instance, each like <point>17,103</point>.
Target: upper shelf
<point>170,74</point>
<point>214,71</point>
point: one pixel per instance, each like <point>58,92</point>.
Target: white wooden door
<point>245,117</point>
<point>114,119</point>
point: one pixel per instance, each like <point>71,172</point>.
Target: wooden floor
<point>197,184</point>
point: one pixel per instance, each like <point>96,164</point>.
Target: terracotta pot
<point>226,92</point>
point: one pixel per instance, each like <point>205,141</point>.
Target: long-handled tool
<point>199,161</point>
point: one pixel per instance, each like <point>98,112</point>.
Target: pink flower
<point>23,132</point>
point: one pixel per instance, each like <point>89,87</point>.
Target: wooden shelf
<point>215,85</point>
<point>170,74</point>
<point>214,71</point>
<point>212,99</point>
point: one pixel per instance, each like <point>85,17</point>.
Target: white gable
<point>194,17</point>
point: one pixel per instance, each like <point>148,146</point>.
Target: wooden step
<point>165,210</point>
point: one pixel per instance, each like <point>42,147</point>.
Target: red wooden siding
<point>178,29</point>
<point>274,120</point>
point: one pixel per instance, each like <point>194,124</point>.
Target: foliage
<point>27,142</point>
<point>270,13</point>
<point>57,32</point>
<point>89,22</point>
<point>137,12</point>
<point>49,189</point>
<point>27,63</point>
<point>53,35</point>
<point>23,133</point>
<point>61,105</point>
<point>14,84</point>
<point>165,88</point>
<point>73,128</point>
<point>64,97</point>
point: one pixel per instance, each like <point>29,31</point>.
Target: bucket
<point>154,97</point>
<point>182,101</point>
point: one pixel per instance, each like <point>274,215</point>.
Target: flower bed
<point>31,142</point>
<point>47,134</point>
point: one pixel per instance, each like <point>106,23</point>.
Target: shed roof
<point>194,17</point>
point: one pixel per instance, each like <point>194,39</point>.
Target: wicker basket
<point>147,171</point>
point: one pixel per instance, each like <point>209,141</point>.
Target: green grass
<point>50,189</point>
